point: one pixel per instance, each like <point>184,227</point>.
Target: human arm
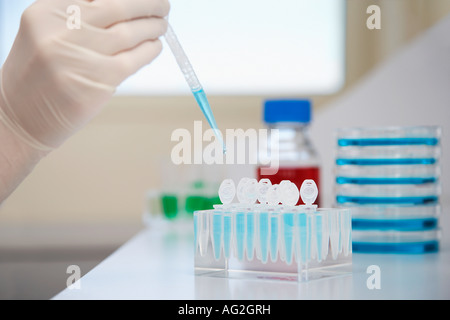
<point>56,79</point>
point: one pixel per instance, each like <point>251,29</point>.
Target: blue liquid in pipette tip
<point>203,102</point>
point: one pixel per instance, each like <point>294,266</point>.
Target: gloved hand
<point>56,78</point>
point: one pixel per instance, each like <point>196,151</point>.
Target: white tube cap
<point>227,191</point>
<point>247,191</point>
<point>262,189</point>
<point>309,192</point>
<point>273,198</point>
<point>288,193</point>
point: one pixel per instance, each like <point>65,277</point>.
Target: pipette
<point>192,80</point>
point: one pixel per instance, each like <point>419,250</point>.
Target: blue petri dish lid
<point>396,242</point>
<point>421,247</point>
<point>389,136</point>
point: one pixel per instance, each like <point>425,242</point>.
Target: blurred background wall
<point>87,198</point>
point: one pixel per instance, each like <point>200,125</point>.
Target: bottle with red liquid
<point>298,160</point>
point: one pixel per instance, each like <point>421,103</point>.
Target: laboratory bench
<point>158,264</point>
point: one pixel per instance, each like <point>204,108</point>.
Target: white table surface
<point>158,264</point>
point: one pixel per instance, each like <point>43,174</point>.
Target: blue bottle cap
<point>287,111</point>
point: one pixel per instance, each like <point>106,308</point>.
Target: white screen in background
<point>243,47</point>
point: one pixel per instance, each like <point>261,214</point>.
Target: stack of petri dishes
<point>389,178</point>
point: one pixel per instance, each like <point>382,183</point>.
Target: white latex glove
<point>56,79</point>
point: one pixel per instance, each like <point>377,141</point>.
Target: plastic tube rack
<point>272,241</point>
